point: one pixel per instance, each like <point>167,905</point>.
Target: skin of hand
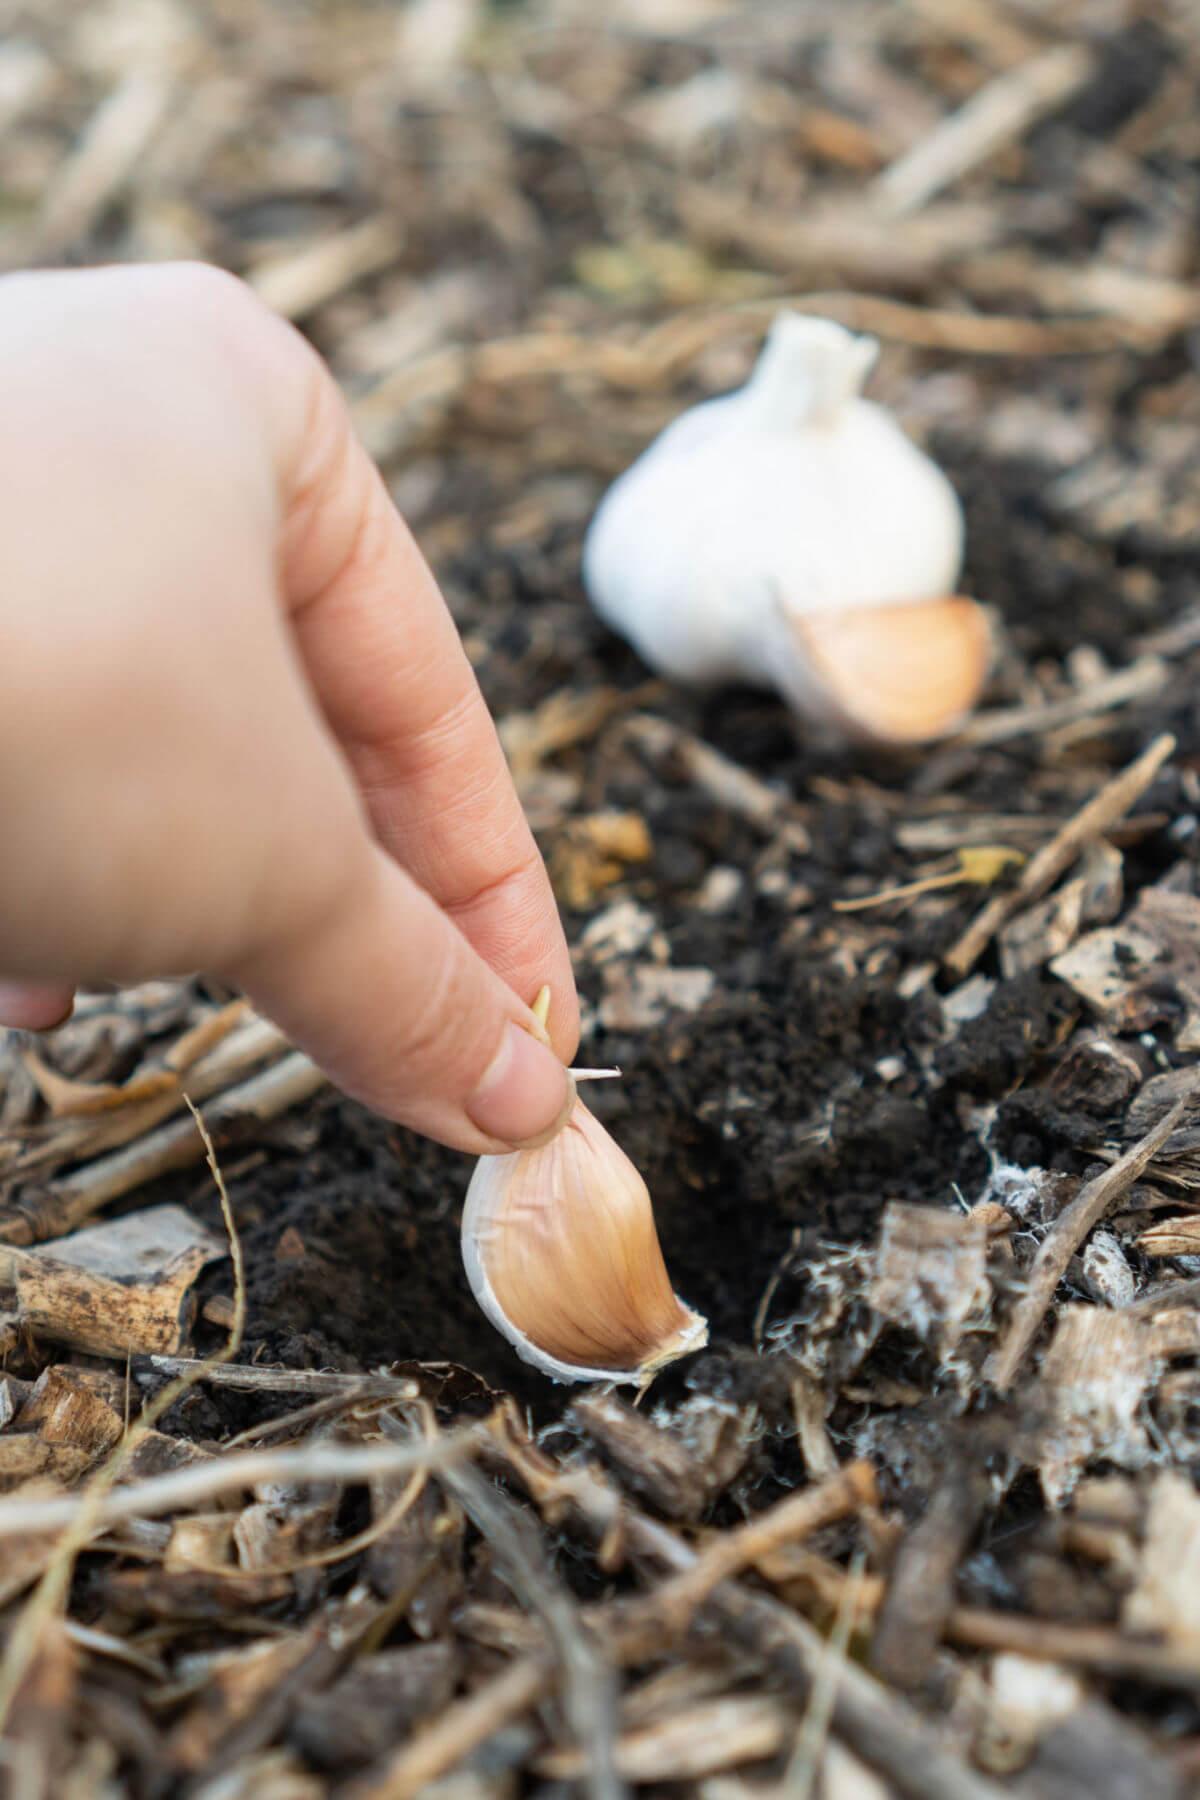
<point>238,730</point>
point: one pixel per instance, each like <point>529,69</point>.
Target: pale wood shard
<point>115,137</point>
<point>1120,971</point>
<point>1165,1602</point>
<point>930,1271</point>
<point>1043,931</point>
<point>299,282</point>
<point>1088,1400</point>
<point>70,1305</point>
<point>997,114</point>
<point>697,1741</point>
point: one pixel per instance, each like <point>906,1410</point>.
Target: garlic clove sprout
<point>562,1254</point>
<point>769,535</point>
<point>898,674</point>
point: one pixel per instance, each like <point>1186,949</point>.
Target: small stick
<point>1137,682</point>
<point>589,1692</point>
<point>1064,1238</point>
<point>1054,858</point>
<point>227,1475</point>
<point>995,115</point>
<point>63,1205</point>
<point>458,1730</point>
<point>798,1516</point>
<point>310,1383</point>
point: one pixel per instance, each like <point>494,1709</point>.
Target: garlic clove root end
<point>897,675</point>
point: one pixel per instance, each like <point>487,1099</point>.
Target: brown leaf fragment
<point>420,1556</point>
<point>1098,1073</point>
<point>37,1735</point>
<point>191,1595</point>
<point>1094,1752</point>
<point>236,1683</point>
<point>592,853</point>
<point>157,1454</point>
<point>67,1099</point>
<point>920,1589</point>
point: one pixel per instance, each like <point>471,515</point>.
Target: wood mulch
<point>922,1126</point>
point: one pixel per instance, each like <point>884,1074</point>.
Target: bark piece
<point>122,1286</point>
<point>64,1408</point>
<point>920,1591</point>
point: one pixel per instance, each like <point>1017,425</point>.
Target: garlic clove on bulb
<point>898,674</point>
<point>790,535</point>
<point>562,1254</point>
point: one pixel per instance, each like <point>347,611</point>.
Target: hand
<point>238,730</point>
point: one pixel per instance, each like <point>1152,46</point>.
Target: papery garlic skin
<point>790,500</point>
<point>561,1252</point>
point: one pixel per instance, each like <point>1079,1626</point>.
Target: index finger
<point>394,682</point>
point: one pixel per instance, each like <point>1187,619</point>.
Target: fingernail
<point>526,1094</point>
<point>30,1006</point>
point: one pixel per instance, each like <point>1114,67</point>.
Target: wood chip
<point>1055,858</point>
<point>930,1271</point>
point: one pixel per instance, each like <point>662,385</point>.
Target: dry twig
<point>1053,859</point>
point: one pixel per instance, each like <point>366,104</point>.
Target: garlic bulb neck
<point>808,371</point>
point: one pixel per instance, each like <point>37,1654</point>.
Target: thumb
<point>387,995</point>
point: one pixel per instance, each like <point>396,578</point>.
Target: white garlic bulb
<point>790,535</point>
<point>561,1252</point>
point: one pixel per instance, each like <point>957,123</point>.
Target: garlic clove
<point>897,674</point>
<point>562,1254</point>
